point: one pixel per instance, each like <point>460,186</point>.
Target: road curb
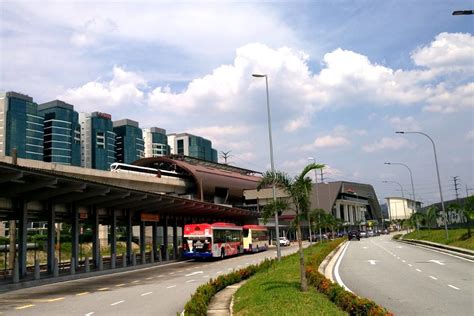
<point>326,267</point>
<point>460,252</point>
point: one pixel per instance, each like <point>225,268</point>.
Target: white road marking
<point>161,276</point>
<point>336,268</point>
<point>410,265</point>
<point>170,287</point>
<point>453,287</point>
<point>171,273</point>
<point>403,261</point>
<point>190,281</point>
<point>437,262</point>
<point>434,278</point>
<point>25,306</point>
<point>194,273</point>
<point>398,258</point>
<point>365,247</point>
<point>372,262</point>
<point>89,314</point>
<point>136,281</point>
<point>205,276</point>
<point>149,278</point>
<point>180,271</point>
<point>400,247</point>
<point>145,294</point>
<point>116,303</point>
<point>218,272</point>
<point>418,270</point>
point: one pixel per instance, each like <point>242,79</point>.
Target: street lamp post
<point>411,178</point>
<point>437,173</point>
<point>317,198</point>
<point>403,196</point>
<point>277,231</point>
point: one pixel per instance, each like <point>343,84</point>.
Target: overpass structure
<point>36,191</point>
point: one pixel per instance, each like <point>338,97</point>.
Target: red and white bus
<point>212,240</point>
<point>256,238</point>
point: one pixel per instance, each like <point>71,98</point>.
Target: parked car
<point>284,241</point>
<point>385,231</point>
<point>363,234</point>
<point>370,233</point>
<point>354,234</point>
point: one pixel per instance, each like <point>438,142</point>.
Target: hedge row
<point>199,301</point>
<point>346,300</point>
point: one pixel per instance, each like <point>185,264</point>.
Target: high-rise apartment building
<point>129,145</point>
<point>192,146</point>
<point>21,126</point>
<point>156,142</point>
<point>62,133</point>
<point>97,140</point>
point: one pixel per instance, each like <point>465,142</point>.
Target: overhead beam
<point>11,176</point>
<point>99,200</point>
<point>120,202</point>
<point>78,197</point>
<point>50,194</point>
<point>26,187</point>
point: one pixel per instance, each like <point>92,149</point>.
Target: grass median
<point>277,291</point>
<point>457,237</point>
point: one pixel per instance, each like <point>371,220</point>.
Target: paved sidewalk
<point>221,303</point>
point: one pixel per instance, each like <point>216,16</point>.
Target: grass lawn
<point>277,292</point>
<point>457,237</point>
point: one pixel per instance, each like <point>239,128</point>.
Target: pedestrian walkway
<point>221,303</point>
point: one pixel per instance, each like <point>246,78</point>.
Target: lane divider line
<point>170,287</point>
<point>189,281</point>
<point>89,314</point>
<point>121,284</point>
<point>103,289</point>
<point>82,293</point>
<point>418,270</point>
<point>116,303</point>
<point>145,294</point>
<point>55,299</point>
<point>434,278</point>
<point>453,287</point>
<point>25,306</point>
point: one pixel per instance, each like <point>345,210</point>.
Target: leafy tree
<point>453,208</point>
<point>298,190</point>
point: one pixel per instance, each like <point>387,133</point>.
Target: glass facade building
<point>156,142</point>
<point>192,146</point>
<point>62,133</point>
<point>21,126</point>
<point>97,140</point>
<point>129,144</point>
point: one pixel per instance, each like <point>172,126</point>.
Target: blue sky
<point>343,77</point>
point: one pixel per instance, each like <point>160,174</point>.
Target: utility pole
<point>225,155</point>
<point>455,180</point>
<point>322,175</point>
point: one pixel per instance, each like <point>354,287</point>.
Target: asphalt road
<point>160,290</point>
<point>406,279</point>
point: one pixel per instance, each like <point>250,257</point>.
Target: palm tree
<point>416,218</point>
<point>432,216</point>
<point>298,190</point>
<point>468,212</point>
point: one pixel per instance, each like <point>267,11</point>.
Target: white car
<point>284,241</point>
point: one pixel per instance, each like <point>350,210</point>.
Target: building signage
<point>83,215</point>
<point>104,115</point>
<point>146,217</point>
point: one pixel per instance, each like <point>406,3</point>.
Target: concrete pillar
<point>51,237</point>
<point>128,236</point>
<point>166,255</point>
<point>113,233</point>
<point>75,235</point>
<point>142,241</point>
<point>95,237</point>
<point>22,236</point>
<point>154,238</point>
<point>351,214</point>
<point>346,213</point>
<point>175,238</point>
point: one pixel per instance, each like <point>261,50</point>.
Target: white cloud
<point>445,100</point>
<point>470,135</point>
<point>408,123</point>
<point>92,30</point>
<point>448,52</point>
<point>393,143</point>
<point>327,141</point>
<point>125,89</point>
